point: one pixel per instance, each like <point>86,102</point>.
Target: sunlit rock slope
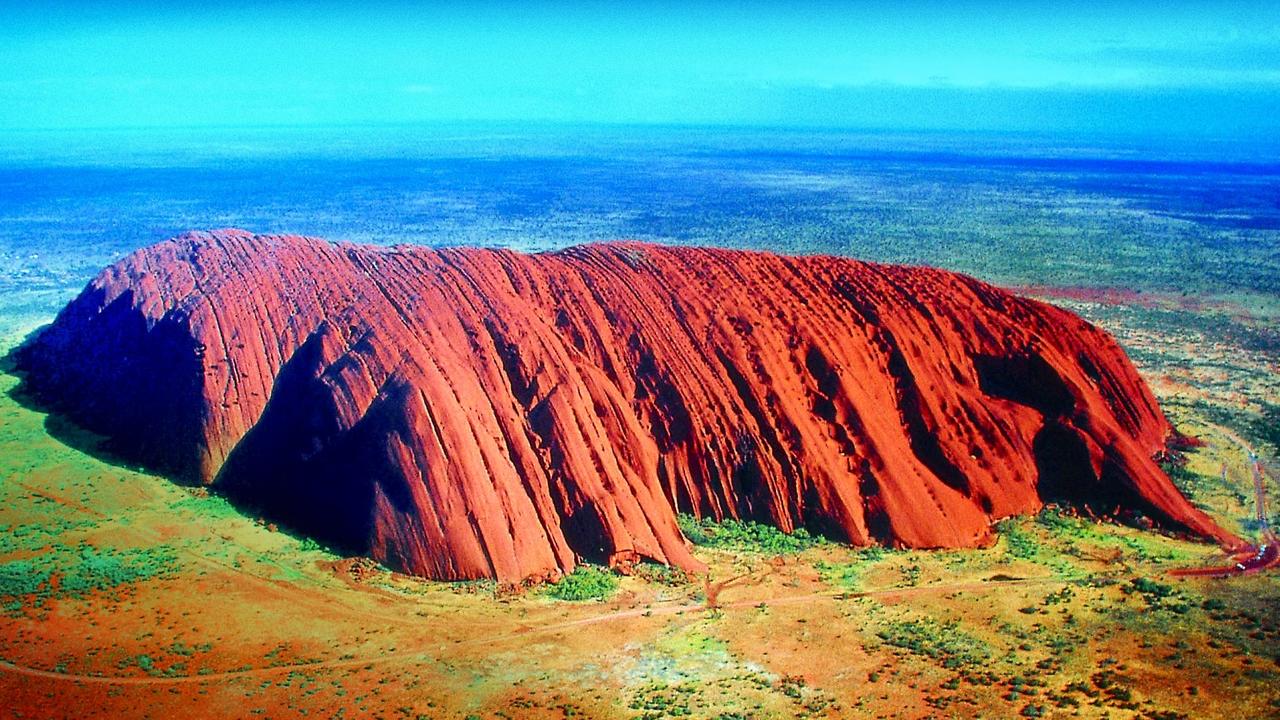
<point>467,413</point>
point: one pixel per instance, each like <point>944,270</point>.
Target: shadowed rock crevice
<point>155,388</point>
<point>1028,380</point>
<point>918,422</point>
<point>465,413</point>
<point>282,468</point>
<point>1065,469</point>
<point>1076,473</point>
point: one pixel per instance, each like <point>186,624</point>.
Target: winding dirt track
<point>425,653</point>
<point>263,582</point>
<point>1251,558</point>
<point>712,603</point>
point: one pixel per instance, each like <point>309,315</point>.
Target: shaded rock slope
<point>468,413</point>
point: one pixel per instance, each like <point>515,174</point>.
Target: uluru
<point>481,413</point>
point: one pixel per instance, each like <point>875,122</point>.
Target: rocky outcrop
<point>466,413</point>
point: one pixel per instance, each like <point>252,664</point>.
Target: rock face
<point>469,413</point>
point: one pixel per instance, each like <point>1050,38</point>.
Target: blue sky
<point>1182,68</point>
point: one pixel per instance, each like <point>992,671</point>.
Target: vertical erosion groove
<point>467,413</point>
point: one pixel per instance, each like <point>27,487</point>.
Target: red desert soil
<point>465,413</point>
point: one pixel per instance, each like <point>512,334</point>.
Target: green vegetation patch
<point>21,577</point>
<point>78,572</point>
<point>1077,536</point>
<point>205,505</point>
<point>656,573</point>
<point>1267,427</point>
<point>662,700</point>
<point>30,537</point>
<point>844,575</point>
<point>1189,482</point>
<point>745,535</point>
<point>944,642</point>
<point>1020,543</point>
<point>586,582</point>
<point>1158,595</point>
<point>849,575</point>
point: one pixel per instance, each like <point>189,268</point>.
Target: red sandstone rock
<point>469,413</point>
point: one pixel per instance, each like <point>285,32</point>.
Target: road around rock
<point>631,613</point>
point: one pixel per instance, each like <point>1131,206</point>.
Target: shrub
<point>82,571</point>
<point>586,582</point>
<point>848,576</point>
<point>21,577</point>
<point>1267,427</point>
<point>945,642</point>
<point>1021,544</point>
<point>1056,520</point>
<point>745,535</point>
<point>1151,588</point>
<point>661,574</point>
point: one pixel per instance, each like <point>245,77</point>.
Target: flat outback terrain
<point>639,361</point>
<point>124,594</point>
